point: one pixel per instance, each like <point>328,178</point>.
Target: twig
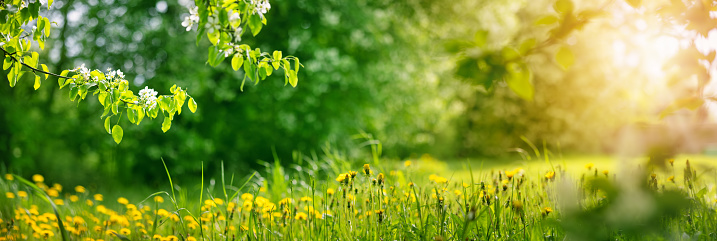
<point>32,68</point>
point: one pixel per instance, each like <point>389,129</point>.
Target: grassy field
<point>572,197</point>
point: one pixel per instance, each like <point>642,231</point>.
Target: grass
<point>573,197</point>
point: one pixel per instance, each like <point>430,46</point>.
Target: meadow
<point>571,198</point>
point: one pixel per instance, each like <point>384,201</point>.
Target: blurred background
<point>383,69</point>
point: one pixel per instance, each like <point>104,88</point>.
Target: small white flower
<point>237,34</point>
<point>261,7</point>
<point>212,24</point>
<point>234,17</point>
<point>83,71</point>
<point>120,74</point>
<point>190,20</point>
<point>148,98</point>
<point>187,23</point>
<point>228,52</point>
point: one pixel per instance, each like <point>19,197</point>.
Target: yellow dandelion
<point>74,198</point>
<point>510,174</point>
<point>605,172</point>
<point>123,201</point>
<point>366,169</point>
<point>407,163</point>
<point>589,166</point>
<point>671,179</point>
<point>125,231</point>
<point>159,199</point>
<point>9,177</point>
<point>301,216</point>
<point>89,202</point>
<point>550,175</point>
<point>380,178</point>
<point>9,195</point>
<point>59,202</point>
<point>330,191</point>
<point>38,178</point>
<point>57,187</point>
<point>98,197</point>
<point>247,196</point>
<point>46,234</point>
<point>52,192</point>
<point>80,189</point>
<point>343,178</point>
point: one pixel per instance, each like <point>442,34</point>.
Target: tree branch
<point>32,68</point>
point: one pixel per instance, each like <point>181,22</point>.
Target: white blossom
<point>228,52</point>
<point>148,98</point>
<point>261,7</point>
<point>83,71</point>
<point>190,20</point>
<point>212,24</point>
<point>234,17</point>
<point>237,34</point>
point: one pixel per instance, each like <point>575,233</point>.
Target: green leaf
<point>34,9</point>
<point>213,37</point>
<point>131,115</point>
<point>166,124</point>
<point>480,38</point>
<point>237,61</point>
<point>107,125</point>
<point>140,115</point>
<point>102,97</point>
<point>107,111</point>
<point>255,24</point>
<point>276,55</point>
<point>192,105</point>
<point>565,57</point>
<point>701,193</point>
<point>47,26</point>
<point>12,76</point>
<point>38,82</point>
<point>510,53</point>
<point>297,65</point>
<point>547,20</point>
<point>292,78</point>
<point>115,107</point>
<point>74,90</point>
<point>249,69</point>
<point>519,80</point>
<point>44,68</point>
<point>117,133</point>
<point>7,63</point>
<point>564,6</point>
